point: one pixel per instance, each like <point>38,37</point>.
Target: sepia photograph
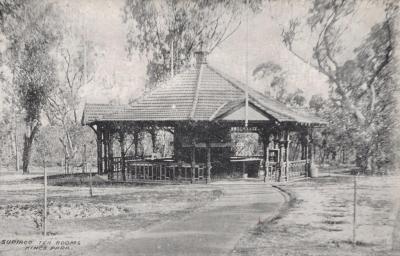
<point>200,127</point>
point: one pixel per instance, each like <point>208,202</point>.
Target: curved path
<point>211,230</point>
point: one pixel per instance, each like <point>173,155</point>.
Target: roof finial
<point>201,55</point>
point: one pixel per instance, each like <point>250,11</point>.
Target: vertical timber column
<point>136,140</point>
<point>208,179</point>
<point>313,168</point>
<point>105,153</point>
<point>306,154</point>
<point>193,162</point>
<point>281,157</point>
<point>266,155</point>
<point>99,142</point>
<point>110,155</point>
<point>287,144</point>
<point>153,135</point>
<point>123,160</point>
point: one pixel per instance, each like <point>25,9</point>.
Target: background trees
<point>76,69</point>
<point>32,34</point>
<point>45,75</point>
<point>175,29</point>
<point>361,83</point>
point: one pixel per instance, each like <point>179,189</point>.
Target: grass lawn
<point>319,219</point>
<point>73,214</point>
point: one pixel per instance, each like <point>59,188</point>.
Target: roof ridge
<point>196,94</point>
<point>235,82</point>
<point>218,109</point>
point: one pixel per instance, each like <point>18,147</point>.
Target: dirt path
<point>320,220</point>
<point>212,230</point>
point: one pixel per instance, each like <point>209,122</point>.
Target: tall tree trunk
<point>27,151</point>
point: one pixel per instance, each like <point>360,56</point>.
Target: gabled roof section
<point>201,93</point>
<point>97,112</point>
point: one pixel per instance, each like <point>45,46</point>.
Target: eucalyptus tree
<point>167,30</point>
<point>32,34</point>
<point>361,83</point>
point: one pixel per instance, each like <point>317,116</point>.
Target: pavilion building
<point>201,107</point>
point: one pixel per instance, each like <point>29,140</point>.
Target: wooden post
<point>105,153</point>
<point>355,209</point>
<point>110,155</point>
<point>122,145</point>
<point>99,134</point>
<point>313,168</point>
<point>16,142</point>
<point>266,155</point>
<point>306,152</point>
<point>153,135</point>
<point>281,160</point>
<point>208,179</point>
<point>193,162</point>
<point>90,183</point>
<point>287,143</point>
<point>136,141</point>
<point>45,199</point>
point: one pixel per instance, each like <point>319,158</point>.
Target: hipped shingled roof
<point>201,93</point>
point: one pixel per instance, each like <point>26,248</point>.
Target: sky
<point>105,28</point>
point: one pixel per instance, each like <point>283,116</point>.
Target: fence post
<point>355,209</point>
<point>45,198</point>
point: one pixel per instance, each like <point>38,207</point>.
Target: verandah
<point>201,107</point>
<point>197,160</point>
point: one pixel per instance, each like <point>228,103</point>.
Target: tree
<point>32,35</point>
<point>276,84</point>
<point>65,101</point>
<point>361,86</point>
<point>175,29</point>
<point>275,79</point>
<point>316,102</point>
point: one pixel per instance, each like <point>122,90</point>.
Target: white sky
<point>107,30</point>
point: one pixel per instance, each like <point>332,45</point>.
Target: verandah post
<point>105,153</point>
<point>281,156</point>
<point>193,162</point>
<point>110,155</point>
<point>208,179</point>
<point>287,143</point>
<point>99,151</point>
<point>266,154</point>
<point>122,146</point>
<point>153,135</point>
<point>136,140</point>
<point>313,171</point>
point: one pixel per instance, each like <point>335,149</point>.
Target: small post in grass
<point>355,209</point>
<point>45,198</point>
<point>90,183</point>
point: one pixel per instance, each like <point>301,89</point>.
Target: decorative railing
<point>277,171</point>
<point>154,171</point>
<point>272,173</point>
<point>136,170</point>
<point>297,169</point>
